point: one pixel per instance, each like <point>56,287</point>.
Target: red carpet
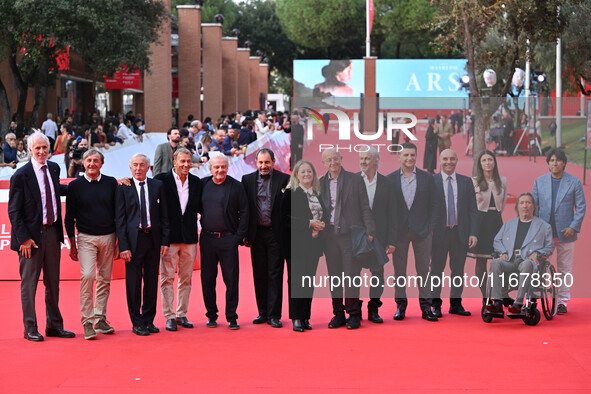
<point>454,354</point>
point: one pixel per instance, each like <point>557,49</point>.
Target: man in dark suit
<point>35,213</point>
<point>415,220</point>
<point>297,140</point>
<point>382,202</point>
<point>455,231</point>
<point>263,190</point>
<point>344,192</point>
<point>224,222</point>
<point>183,200</point>
<point>142,230</point>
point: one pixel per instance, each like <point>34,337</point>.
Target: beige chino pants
<point>183,257</point>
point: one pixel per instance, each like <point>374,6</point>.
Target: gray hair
<point>182,151</point>
<point>91,152</point>
<point>533,200</point>
<point>146,158</point>
<point>49,115</point>
<point>217,155</point>
<point>36,136</point>
<point>372,151</point>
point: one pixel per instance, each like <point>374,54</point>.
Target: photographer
<point>76,164</point>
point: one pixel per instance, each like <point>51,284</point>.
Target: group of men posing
<point>154,222</point>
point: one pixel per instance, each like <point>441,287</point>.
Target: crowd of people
<point>355,219</point>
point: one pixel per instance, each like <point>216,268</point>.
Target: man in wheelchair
<point>520,245</point>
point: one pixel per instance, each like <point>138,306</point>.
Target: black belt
<point>217,234</point>
<point>146,230</point>
<point>49,225</point>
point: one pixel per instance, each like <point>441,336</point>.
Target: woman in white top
<point>491,196</point>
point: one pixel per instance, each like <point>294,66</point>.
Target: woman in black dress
<point>491,196</point>
<point>430,159</point>
<point>303,218</point>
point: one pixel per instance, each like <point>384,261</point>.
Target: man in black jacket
<point>263,190</point>
<point>183,200</point>
<point>223,198</point>
<point>142,230</point>
<point>382,202</point>
<point>455,231</point>
<point>416,215</point>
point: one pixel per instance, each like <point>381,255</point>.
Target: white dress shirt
<point>139,196</point>
<point>371,187</point>
<point>41,182</point>
<point>182,190</point>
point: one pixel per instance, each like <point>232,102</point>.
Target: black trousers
<point>144,266</point>
<point>422,251</point>
<point>300,294</point>
<point>339,262</point>
<point>447,242</point>
<point>46,259</point>
<point>267,271</point>
<point>375,292</point>
<point>225,252</point>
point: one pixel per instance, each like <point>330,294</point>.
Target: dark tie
<point>48,196</point>
<point>143,211</point>
<point>451,208</point>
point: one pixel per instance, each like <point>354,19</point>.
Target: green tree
<point>104,34</point>
<point>494,34</point>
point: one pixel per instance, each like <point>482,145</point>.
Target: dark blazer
<point>25,208</point>
<point>422,216</point>
<point>279,181</point>
<point>352,203</point>
<point>183,227</point>
<point>467,210</point>
<point>127,216</point>
<point>383,210</point>
<point>236,203</point>
<point>295,221</point>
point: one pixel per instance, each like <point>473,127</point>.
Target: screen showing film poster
<point>328,78</point>
<point>588,133</point>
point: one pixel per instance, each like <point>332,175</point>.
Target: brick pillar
<point>158,83</point>
<point>242,56</point>
<point>264,80</point>
<point>370,102</point>
<point>253,97</point>
<point>189,61</point>
<point>212,70</point>
<point>229,74</point>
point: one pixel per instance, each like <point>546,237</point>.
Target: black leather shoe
<point>275,323</point>
<point>508,301</point>
<point>211,323</point>
<point>259,320</point>
<point>428,315</point>
<point>337,321</point>
<point>33,335</point>
<point>171,325</point>
<point>152,329</point>
<point>354,322</point>
<point>373,316</point>
<point>458,310</point>
<point>400,313</point>
<point>496,306</point>
<point>183,321</point>
<point>437,311</point>
<point>234,325</point>
<point>59,332</point>
<point>307,325</point>
<point>140,330</point>
<point>298,325</point>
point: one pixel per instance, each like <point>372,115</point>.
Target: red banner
<point>124,80</point>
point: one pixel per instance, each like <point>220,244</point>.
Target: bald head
<point>448,159</point>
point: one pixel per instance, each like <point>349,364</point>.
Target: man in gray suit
<point>561,202</point>
<point>520,243</point>
<point>164,152</point>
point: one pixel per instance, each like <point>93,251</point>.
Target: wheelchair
<point>545,294</point>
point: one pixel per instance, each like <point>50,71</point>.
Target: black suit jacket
<point>236,203</point>
<point>467,211</point>
<point>383,210</point>
<point>352,205</point>
<point>127,216</point>
<point>279,181</point>
<point>422,216</point>
<point>25,208</point>
<point>183,227</point>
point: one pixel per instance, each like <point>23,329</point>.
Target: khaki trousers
<point>181,256</point>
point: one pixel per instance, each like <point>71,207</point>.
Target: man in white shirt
<point>124,131</point>
<point>49,128</point>
<point>262,126</point>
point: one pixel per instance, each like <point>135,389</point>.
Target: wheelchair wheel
<point>548,293</point>
<point>532,318</point>
<point>485,318</point>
